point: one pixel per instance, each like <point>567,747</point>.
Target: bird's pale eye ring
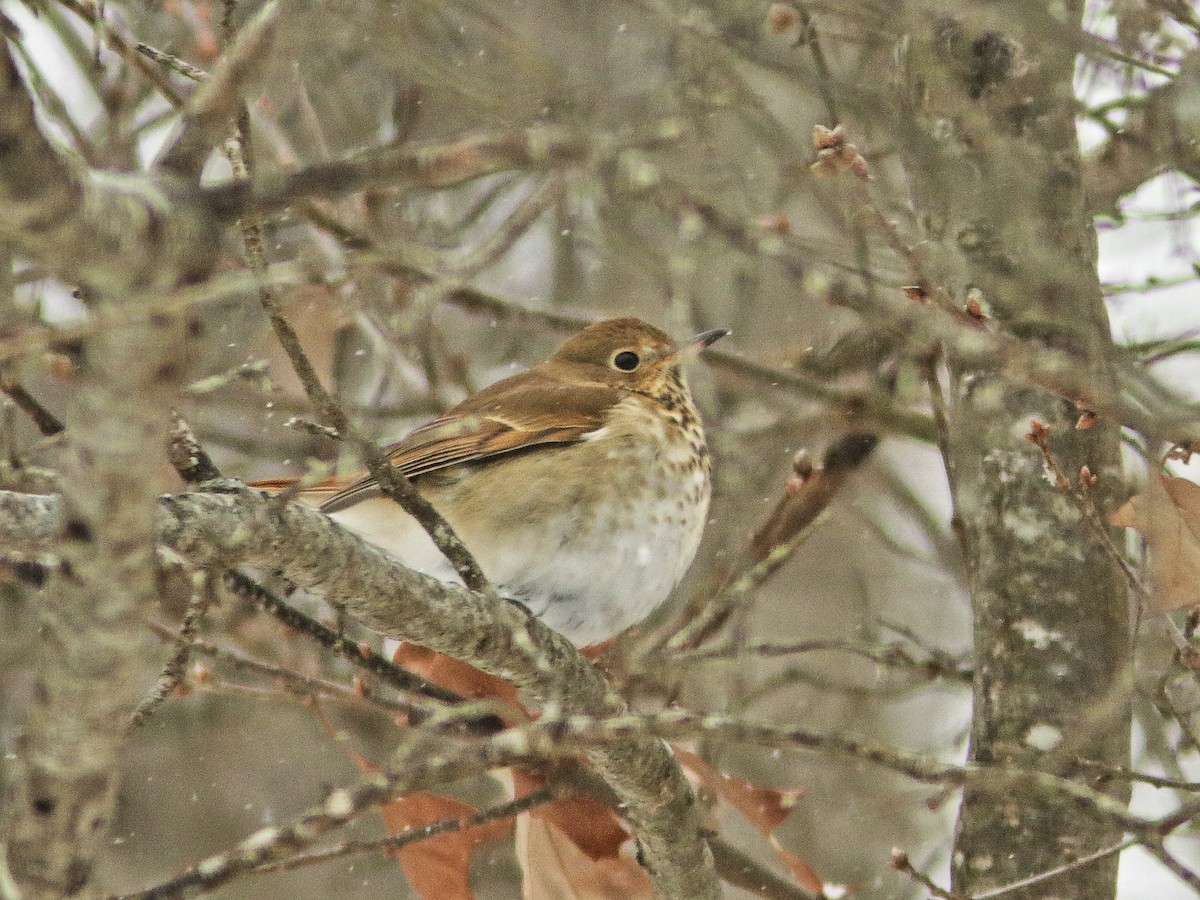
<point>626,361</point>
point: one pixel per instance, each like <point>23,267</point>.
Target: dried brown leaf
<point>453,674</point>
<point>592,827</point>
<point>438,867</point>
<point>764,808</point>
<point>554,867</point>
<point>1167,513</point>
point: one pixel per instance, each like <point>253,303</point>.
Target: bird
<point>581,485</point>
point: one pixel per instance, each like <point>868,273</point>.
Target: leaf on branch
<point>454,675</point>
<point>764,808</point>
<point>591,826</point>
<point>1167,513</point>
<point>553,865</point>
<point>438,867</point>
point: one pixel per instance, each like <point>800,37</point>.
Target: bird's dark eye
<point>626,360</point>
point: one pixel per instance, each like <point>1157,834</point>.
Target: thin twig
<point>806,496</point>
<point>902,864</point>
<point>941,419</point>
<point>1039,436</point>
<point>174,63</point>
<point>47,423</point>
<point>1182,872</point>
<point>123,48</point>
<point>297,682</point>
<point>1058,870</point>
<point>744,871</point>
<point>358,654</point>
<point>190,460</point>
<point>1125,774</point>
<point>417,767</point>
<point>175,668</point>
<point>392,482</point>
<point>394,842</point>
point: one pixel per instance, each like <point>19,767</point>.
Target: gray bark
<point>999,175</point>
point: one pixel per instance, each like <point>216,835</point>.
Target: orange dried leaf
<point>553,866</point>
<point>1167,513</point>
<point>764,808</point>
<point>592,827</point>
<point>453,674</point>
<point>437,867</point>
<point>801,871</point>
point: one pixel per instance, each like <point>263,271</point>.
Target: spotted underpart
<point>581,485</point>
<point>590,536</point>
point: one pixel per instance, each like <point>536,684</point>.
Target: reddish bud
<point>975,309</point>
<point>61,367</point>
<point>1086,420</point>
<point>783,20</point>
<point>858,164</point>
<point>776,222</point>
<point>828,138</point>
<point>201,673</point>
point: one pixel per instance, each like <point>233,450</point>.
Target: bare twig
<point>353,652</point>
<point>393,483</point>
<point>47,423</point>
<point>190,460</point>
<point>902,864</point>
<point>1058,870</point>
<point>1039,436</point>
<point>394,842</point>
<point>88,12</point>
<point>806,495</point>
<point>216,102</point>
<point>297,683</point>
<point>175,668</point>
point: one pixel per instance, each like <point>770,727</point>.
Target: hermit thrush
<point>580,485</point>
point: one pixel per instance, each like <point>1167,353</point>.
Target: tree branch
<point>241,526</point>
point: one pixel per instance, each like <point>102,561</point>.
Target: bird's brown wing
<point>525,411</point>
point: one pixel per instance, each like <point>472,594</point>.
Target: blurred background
<point>695,208</point>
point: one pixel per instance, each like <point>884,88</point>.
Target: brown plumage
<point>517,467</point>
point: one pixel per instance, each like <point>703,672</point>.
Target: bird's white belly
<point>588,553</point>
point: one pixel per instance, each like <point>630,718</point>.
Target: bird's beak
<point>700,343</point>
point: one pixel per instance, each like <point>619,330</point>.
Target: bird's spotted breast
<point>581,485</point>
<point>591,536</point>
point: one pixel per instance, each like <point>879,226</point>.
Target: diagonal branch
<point>240,526</point>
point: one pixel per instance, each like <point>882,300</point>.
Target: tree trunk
<point>998,180</point>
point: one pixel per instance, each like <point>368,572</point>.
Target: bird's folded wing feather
<point>522,412</point>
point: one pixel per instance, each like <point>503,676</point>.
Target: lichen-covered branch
<point>1001,192</point>
<point>240,526</point>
